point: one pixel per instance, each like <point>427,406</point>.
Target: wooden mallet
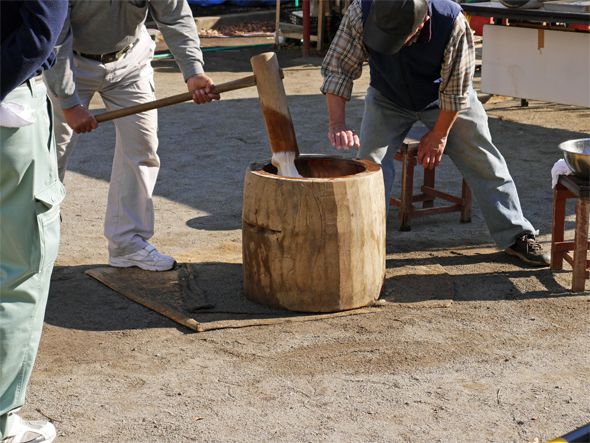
<point>275,110</point>
<point>244,82</point>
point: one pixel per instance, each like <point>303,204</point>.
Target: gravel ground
<point>507,361</point>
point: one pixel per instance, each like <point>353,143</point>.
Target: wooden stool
<point>569,186</point>
<point>407,155</point>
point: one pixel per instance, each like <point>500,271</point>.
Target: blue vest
<point>411,78</point>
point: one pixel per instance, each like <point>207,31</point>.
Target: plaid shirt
<point>344,60</point>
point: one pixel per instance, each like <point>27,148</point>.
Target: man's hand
<point>201,87</point>
<point>339,135</point>
<point>431,149</point>
<point>342,138</point>
<point>80,119</point>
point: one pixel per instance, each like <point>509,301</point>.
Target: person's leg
<point>383,129</point>
<point>65,139</point>
<point>30,193</point>
<point>89,76</point>
<point>129,221</point>
<point>470,147</point>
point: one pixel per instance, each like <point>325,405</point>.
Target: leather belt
<point>109,57</point>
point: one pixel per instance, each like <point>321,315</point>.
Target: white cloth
<point>15,115</point>
<point>559,168</point>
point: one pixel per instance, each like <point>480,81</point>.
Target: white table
<point>529,56</point>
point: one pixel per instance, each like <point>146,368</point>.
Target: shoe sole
<point>145,267</point>
<point>513,253</point>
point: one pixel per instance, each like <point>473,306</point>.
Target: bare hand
<point>431,149</point>
<point>80,119</point>
<point>343,138</point>
<point>201,87</point>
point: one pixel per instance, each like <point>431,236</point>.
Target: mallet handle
<point>240,83</point>
<point>273,103</point>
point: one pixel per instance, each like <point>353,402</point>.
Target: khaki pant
<point>129,219</point>
<point>30,194</point>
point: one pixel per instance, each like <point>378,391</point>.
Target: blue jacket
<point>411,78</point>
<point>28,32</point>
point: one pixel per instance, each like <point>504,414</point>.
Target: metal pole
<point>277,23</point>
<point>306,33</point>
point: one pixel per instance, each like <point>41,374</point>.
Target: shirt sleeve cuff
<point>70,102</point>
<point>338,85</point>
<point>193,69</point>
<point>453,102</point>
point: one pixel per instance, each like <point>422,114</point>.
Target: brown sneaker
<point>529,250</point>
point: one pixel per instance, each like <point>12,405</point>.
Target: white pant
<point>129,220</point>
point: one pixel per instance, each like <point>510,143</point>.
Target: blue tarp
<point>205,2</point>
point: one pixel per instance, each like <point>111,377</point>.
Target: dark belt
<point>32,81</point>
<point>107,58</point>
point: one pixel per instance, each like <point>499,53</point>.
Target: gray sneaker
<point>529,250</point>
<point>30,432</point>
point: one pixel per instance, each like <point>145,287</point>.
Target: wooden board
<point>159,291</point>
<point>184,296</point>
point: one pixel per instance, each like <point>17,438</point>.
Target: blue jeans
<point>470,147</point>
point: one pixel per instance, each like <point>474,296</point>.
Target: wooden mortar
<point>317,243</point>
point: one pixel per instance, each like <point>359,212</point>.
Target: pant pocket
<point>48,202</point>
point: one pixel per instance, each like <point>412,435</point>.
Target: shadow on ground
<point>77,301</point>
<point>470,277</point>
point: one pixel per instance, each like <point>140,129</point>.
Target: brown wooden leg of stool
<point>405,213</point>
<point>466,207</point>
<point>429,179</point>
<point>557,232</point>
<point>581,244</point>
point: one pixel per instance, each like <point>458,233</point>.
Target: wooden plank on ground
<point>177,294</point>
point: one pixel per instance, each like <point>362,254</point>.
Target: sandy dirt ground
<point>507,361</point>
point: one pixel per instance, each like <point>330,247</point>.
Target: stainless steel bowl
<point>577,156</point>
